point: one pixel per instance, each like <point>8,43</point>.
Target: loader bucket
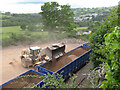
<point>55,51</point>
<point>58,51</point>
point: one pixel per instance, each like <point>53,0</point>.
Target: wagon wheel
<point>36,67</point>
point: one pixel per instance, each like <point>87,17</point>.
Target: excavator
<point>34,56</point>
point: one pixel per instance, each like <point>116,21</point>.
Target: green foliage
<point>19,19</point>
<point>81,28</point>
<point>57,17</point>
<point>100,10</point>
<point>91,17</point>
<point>23,26</point>
<point>54,81</point>
<point>97,39</point>
<point>14,35</point>
<point>112,42</point>
<point>7,42</point>
<point>32,76</point>
<point>15,29</point>
<point>73,81</point>
<point>19,37</point>
<point>32,27</point>
<point>14,38</point>
<point>118,13</point>
<point>83,37</point>
<point>49,15</point>
<point>107,50</point>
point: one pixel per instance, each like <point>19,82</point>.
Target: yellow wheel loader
<point>35,55</point>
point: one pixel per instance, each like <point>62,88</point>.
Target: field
<point>14,34</point>
<point>14,29</point>
<point>6,31</point>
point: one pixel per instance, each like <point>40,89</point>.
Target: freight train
<point>69,63</point>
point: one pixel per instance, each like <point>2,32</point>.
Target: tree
<point>97,38</point>
<point>7,13</point>
<point>65,19</point>
<point>118,12</point>
<point>113,59</point>
<point>23,26</point>
<point>106,49</point>
<point>56,80</point>
<point>57,17</point>
<point>32,27</point>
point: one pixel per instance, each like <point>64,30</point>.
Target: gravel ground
<point>80,75</point>
<point>11,63</point>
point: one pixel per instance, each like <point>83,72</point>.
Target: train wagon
<point>29,79</point>
<point>86,45</point>
<point>68,63</point>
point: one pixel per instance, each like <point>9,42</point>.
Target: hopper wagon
<point>29,79</point>
<point>70,62</point>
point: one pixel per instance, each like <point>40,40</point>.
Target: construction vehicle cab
<point>34,52</point>
<point>30,57</point>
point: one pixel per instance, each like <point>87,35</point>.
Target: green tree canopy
<point>118,12</point>
<point>57,17</point>
<point>31,27</point>
<point>97,38</point>
<point>23,26</point>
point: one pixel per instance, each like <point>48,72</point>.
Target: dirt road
<point>11,63</point>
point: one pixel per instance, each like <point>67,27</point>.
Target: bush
<point>32,28</point>
<point>8,41</point>
<point>54,81</point>
<point>23,26</point>
<point>14,39</point>
<point>112,45</point>
<point>97,41</point>
<point>83,37</point>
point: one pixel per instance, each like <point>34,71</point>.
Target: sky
<point>34,6</point>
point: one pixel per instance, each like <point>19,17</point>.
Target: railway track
<point>81,80</point>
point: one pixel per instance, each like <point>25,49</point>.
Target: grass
<point>6,15</point>
<point>15,29</point>
<point>83,37</point>
<point>6,31</point>
<point>14,34</point>
<point>81,28</point>
<point>45,33</point>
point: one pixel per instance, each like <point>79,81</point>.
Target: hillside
<point>97,14</point>
<point>85,19</point>
<point>100,10</point>
<point>94,14</point>
<point>9,19</point>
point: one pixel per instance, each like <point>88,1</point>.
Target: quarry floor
<point>10,63</point>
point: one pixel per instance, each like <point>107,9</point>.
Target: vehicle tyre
<point>36,67</point>
<point>25,63</point>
